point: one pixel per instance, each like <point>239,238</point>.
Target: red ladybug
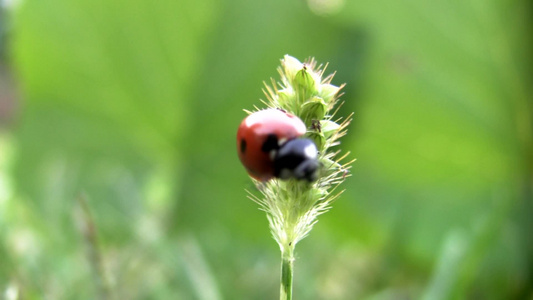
<point>269,145</point>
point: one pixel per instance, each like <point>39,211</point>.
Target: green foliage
<point>135,104</point>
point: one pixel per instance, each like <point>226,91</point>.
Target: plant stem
<point>287,264</point>
<point>90,234</point>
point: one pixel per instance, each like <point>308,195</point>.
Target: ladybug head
<point>297,158</point>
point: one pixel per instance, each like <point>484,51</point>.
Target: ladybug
<point>269,145</point>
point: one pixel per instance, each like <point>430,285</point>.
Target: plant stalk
<point>287,264</point>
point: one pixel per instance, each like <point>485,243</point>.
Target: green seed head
<point>292,206</point>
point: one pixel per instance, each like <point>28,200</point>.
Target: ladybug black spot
<point>243,146</point>
<point>271,143</point>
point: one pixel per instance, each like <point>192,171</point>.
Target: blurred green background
<point>119,177</point>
